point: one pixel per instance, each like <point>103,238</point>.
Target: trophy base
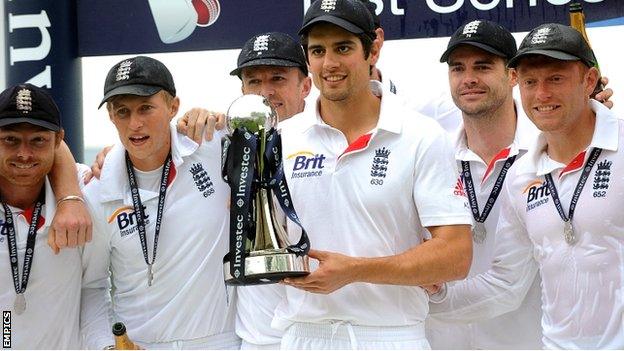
<point>269,267</point>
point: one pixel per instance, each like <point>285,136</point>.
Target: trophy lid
<point>253,112</point>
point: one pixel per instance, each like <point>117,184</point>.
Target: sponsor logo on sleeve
<point>459,187</point>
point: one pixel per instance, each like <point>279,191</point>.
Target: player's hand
<point>199,120</point>
<point>334,272</point>
<point>606,94</point>
<point>96,167</point>
<point>70,227</point>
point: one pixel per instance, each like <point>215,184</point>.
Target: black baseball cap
<point>557,41</point>
<point>26,103</point>
<point>485,35</point>
<point>271,49</point>
<point>372,8</point>
<point>350,15</point>
<point>141,75</point>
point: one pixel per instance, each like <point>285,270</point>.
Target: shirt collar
<point>606,136</point>
<point>114,178</point>
<point>48,209</point>
<point>526,132</point>
<point>388,113</point>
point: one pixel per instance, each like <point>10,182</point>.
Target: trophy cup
<point>260,249</point>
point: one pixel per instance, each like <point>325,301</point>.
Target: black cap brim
<point>265,62</point>
<point>559,55</point>
<point>447,53</point>
<point>344,24</point>
<point>16,120</point>
<point>135,89</point>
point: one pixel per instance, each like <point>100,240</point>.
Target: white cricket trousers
<point>345,336</point>
<point>224,341</point>
<point>251,346</point>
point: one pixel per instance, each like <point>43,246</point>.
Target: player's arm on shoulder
<point>199,124</point>
<point>72,224</point>
<point>96,307</point>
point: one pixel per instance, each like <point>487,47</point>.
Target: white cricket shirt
<point>520,328</point>
<point>582,284</point>
<point>368,199</point>
<point>188,298</point>
<point>51,318</point>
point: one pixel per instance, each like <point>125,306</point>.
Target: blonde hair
<point>165,95</point>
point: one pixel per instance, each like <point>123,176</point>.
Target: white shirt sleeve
<point>83,170</point>
<point>434,181</point>
<point>96,308</point>
<point>504,286</point>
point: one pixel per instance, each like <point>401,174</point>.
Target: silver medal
<point>19,305</point>
<point>150,275</point>
<point>478,233</point>
<point>568,233</point>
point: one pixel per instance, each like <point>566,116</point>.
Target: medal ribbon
<point>593,157</point>
<point>138,207</point>
<point>472,195</point>
<point>30,244</point>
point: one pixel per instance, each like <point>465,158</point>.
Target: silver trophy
<point>251,157</point>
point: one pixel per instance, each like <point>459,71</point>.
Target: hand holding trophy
<point>260,250</point>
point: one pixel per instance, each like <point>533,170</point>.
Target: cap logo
<point>23,101</point>
<point>123,71</point>
<point>541,36</point>
<point>471,28</point>
<point>328,5</point>
<point>261,44</point>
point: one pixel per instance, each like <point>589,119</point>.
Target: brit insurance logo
<point>202,179</point>
<point>601,178</point>
<point>307,164</point>
<point>379,166</point>
<point>537,194</point>
<point>126,220</point>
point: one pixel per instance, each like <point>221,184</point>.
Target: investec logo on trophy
<point>260,249</point>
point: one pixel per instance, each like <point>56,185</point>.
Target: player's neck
<point>353,116</point>
<point>564,145</point>
<point>18,196</point>
<point>487,135</point>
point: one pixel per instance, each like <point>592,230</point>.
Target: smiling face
<point>479,81</point>
<point>284,87</point>
<point>26,154</point>
<point>555,93</point>
<point>340,68</point>
<point>143,126</point>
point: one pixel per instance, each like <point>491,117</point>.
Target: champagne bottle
<point>577,21</point>
<point>122,341</point>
